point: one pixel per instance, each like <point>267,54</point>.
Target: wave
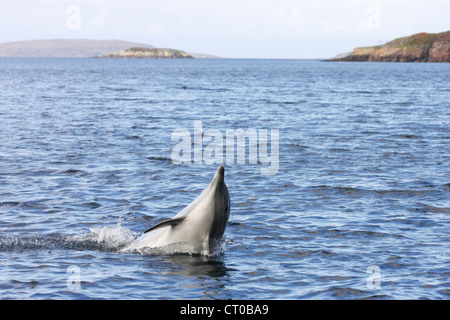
<point>164,159</point>
<point>351,234</point>
<point>427,190</point>
<point>103,239</point>
<point>20,243</point>
<point>348,293</point>
<point>199,88</point>
<point>434,209</point>
<point>107,239</point>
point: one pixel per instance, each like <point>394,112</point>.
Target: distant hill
<point>79,48</point>
<point>421,47</point>
<point>146,53</point>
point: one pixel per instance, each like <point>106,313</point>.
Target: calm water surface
<point>359,207</point>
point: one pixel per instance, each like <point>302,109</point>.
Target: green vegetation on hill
<point>155,53</point>
<point>421,47</point>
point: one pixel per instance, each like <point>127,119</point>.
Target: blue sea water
<point>359,207</point>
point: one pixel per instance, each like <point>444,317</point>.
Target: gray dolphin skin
<point>201,224</point>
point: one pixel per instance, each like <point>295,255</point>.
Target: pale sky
<point>228,28</point>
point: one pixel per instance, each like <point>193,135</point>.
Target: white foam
<point>110,238</point>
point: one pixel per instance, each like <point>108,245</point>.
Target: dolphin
<point>201,224</point>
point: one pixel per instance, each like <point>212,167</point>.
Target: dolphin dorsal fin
<point>170,222</point>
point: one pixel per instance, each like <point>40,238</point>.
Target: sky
<point>294,29</point>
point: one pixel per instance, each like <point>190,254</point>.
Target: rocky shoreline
<point>421,47</point>
<point>152,53</point>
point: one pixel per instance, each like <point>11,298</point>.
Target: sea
<point>344,194</point>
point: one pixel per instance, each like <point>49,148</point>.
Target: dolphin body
<point>200,225</point>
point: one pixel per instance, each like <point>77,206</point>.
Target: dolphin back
<point>202,223</point>
<point>221,208</point>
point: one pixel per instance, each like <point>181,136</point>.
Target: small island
<point>421,47</point>
<point>152,53</point>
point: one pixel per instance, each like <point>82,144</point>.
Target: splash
<point>109,238</point>
<point>30,242</point>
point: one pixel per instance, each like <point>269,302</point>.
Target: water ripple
<point>362,185</point>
